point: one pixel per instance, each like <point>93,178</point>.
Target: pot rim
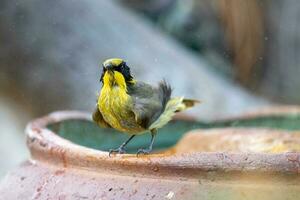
<point>46,146</point>
<point>264,111</point>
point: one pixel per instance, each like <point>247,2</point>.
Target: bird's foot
<point>143,151</point>
<point>119,150</point>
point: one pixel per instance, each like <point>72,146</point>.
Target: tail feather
<point>187,103</point>
<point>174,105</point>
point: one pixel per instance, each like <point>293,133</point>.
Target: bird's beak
<point>110,71</point>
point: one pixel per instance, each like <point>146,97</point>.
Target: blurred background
<point>233,55</point>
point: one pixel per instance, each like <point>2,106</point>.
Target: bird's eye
<point>119,68</point>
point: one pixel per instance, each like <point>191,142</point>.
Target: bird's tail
<point>174,105</point>
<point>186,104</point>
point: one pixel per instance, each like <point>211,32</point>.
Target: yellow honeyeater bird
<point>134,107</point>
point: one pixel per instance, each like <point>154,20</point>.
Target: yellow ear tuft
<point>133,81</point>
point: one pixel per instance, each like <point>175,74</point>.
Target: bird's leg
<point>147,151</point>
<point>121,149</point>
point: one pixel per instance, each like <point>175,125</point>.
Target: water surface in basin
<point>88,134</point>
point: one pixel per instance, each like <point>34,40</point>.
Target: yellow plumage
<point>113,102</point>
<point>134,107</point>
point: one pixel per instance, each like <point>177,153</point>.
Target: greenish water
<point>88,134</point>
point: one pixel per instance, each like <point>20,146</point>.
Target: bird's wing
<point>148,102</point>
<point>98,118</point>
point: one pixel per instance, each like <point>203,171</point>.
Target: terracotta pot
<point>198,167</point>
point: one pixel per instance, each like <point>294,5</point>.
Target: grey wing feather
<point>149,102</point>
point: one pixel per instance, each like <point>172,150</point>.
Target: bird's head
<point>116,72</point>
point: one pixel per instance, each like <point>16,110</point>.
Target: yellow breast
<point>112,104</point>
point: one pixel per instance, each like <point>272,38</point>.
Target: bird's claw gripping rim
<point>119,150</point>
<point>143,151</point>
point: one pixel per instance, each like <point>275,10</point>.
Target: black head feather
<point>102,75</point>
<point>125,70</point>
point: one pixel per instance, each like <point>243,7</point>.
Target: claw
<point>143,151</point>
<point>117,151</point>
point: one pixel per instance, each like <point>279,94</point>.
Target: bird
<point>134,107</point>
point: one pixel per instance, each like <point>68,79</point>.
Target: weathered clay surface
<point>34,180</point>
<point>59,169</point>
<point>238,140</point>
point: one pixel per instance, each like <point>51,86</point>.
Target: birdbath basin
<point>253,156</point>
